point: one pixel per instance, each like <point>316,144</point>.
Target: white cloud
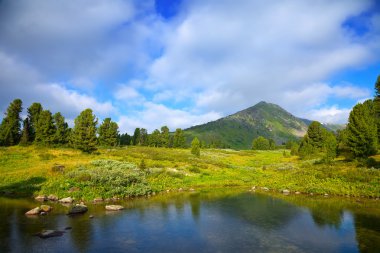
<point>331,114</point>
<point>153,116</point>
<point>126,92</point>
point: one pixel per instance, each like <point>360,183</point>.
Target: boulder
<point>114,207</point>
<point>41,198</point>
<point>265,188</point>
<point>66,200</point>
<point>285,191</point>
<point>97,200</point>
<point>45,208</point>
<point>297,193</point>
<point>34,211</point>
<point>49,233</point>
<point>52,197</point>
<point>77,209</point>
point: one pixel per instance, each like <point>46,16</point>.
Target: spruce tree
<point>83,135</point>
<point>136,137</point>
<point>144,137</point>
<point>34,112</point>
<point>196,147</point>
<point>10,128</point>
<point>108,133</point>
<point>362,130</point>
<point>155,138</point>
<point>25,136</point>
<point>45,130</point>
<point>61,129</point>
<point>377,107</point>
<point>316,134</point>
<point>164,136</point>
<point>306,148</point>
<point>179,140</point>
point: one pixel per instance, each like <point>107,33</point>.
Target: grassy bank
<point>27,171</point>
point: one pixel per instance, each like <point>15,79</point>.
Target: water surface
<point>199,222</point>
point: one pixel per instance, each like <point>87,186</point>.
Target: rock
<point>253,188</point>
<point>180,189</point>
<point>191,189</point>
<point>297,193</point>
<point>52,197</point>
<point>66,200</point>
<point>326,195</point>
<point>91,216</point>
<point>285,191</point>
<point>34,211</point>
<point>114,198</point>
<point>77,209</point>
<point>114,207</point>
<point>49,233</point>
<point>265,188</point>
<point>68,228</point>
<point>41,198</point>
<point>97,200</point>
<point>43,213</point>
<point>45,208</point>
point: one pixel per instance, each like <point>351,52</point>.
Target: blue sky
<point>181,63</point>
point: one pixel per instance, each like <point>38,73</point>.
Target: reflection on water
<point>199,222</point>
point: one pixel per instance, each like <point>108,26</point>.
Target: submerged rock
<point>45,208</point>
<point>34,211</point>
<point>41,198</point>
<point>77,209</point>
<point>114,207</point>
<point>66,200</point>
<point>49,233</point>
<point>97,200</point>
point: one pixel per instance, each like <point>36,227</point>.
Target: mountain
<point>238,130</point>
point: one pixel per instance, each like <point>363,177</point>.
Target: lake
<point>216,221</point>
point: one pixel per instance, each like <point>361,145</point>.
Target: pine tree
<point>125,139</point>
<point>108,133</point>
<point>61,129</point>
<point>34,112</point>
<point>144,137</point>
<point>377,107</point>
<point>179,140</point>
<point>136,137</point>
<point>196,147</point>
<point>164,136</point>
<point>362,136</point>
<point>306,149</point>
<point>45,130</point>
<point>84,133</point>
<point>260,143</point>
<point>329,146</point>
<point>155,138</point>
<point>316,133</point>
<point>25,136</point>
<point>10,128</point>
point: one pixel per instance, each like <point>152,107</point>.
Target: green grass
<point>26,171</point>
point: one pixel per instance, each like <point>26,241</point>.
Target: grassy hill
<point>238,130</point>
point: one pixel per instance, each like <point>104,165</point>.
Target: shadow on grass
<point>24,188</point>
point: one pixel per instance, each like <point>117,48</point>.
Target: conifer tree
<point>136,137</point>
<point>179,140</point>
<point>306,148</point>
<point>10,128</point>
<point>155,138</point>
<point>83,135</point>
<point>316,133</point>
<point>61,129</point>
<point>196,147</point>
<point>45,130</point>
<point>144,137</point>
<point>34,112</point>
<point>362,130</point>
<point>164,136</point>
<point>108,133</point>
<point>25,135</point>
<point>377,107</point>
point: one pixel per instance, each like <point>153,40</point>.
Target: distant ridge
<point>239,129</point>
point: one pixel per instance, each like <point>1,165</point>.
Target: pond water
<point>199,222</point>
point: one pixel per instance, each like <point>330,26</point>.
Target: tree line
<point>41,127</point>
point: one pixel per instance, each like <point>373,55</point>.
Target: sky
<point>186,62</point>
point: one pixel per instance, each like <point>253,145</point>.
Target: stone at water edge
<point>46,208</point>
<point>97,200</point>
<point>52,197</point>
<point>41,198</point>
<point>114,207</point>
<point>285,191</point>
<point>77,209</point>
<point>49,233</point>
<point>34,211</point>
<point>66,200</point>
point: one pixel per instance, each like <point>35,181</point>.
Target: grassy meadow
<point>139,171</point>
